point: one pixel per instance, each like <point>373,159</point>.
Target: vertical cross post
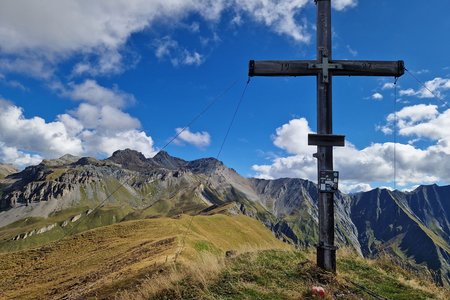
<point>326,251</point>
<point>324,68</point>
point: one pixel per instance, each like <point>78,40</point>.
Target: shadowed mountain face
<point>412,226</point>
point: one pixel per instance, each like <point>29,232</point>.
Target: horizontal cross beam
<point>336,68</point>
<point>326,140</point>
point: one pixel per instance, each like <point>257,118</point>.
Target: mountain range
<point>50,198</point>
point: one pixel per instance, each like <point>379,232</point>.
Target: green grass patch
<point>205,246</point>
<point>379,281</point>
<point>278,274</point>
<point>101,217</point>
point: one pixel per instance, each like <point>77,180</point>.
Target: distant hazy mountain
<point>6,170</point>
<point>414,227</point>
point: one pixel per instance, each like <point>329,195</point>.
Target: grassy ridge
<point>101,217</point>
<point>103,260</point>
<point>281,274</point>
<point>136,260</point>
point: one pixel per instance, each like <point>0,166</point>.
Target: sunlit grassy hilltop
<point>184,258</point>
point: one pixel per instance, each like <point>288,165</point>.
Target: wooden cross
<point>324,68</point>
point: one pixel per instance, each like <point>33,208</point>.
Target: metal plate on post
<point>328,181</point>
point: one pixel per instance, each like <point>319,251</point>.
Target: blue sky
<point>90,78</point>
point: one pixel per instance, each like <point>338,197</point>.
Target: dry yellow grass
<point>120,257</point>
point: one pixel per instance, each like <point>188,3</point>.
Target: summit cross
<point>324,68</point>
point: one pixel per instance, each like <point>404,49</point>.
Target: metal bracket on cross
<point>324,67</point>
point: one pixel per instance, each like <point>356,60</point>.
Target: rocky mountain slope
<point>56,195</point>
<point>166,186</point>
<point>413,226</point>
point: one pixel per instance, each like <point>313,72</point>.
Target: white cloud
<point>50,31</point>
<point>104,118</point>
<point>164,47</point>
<point>34,67</point>
<point>293,137</point>
<point>198,139</point>
<point>105,62</point>
<point>90,91</point>
<point>423,71</point>
<point>413,114</point>
<point>388,86</point>
<point>408,92</point>
<point>424,121</point>
<point>97,127</point>
<point>350,187</point>
<point>278,15</point>
<point>35,134</point>
<point>103,143</point>
<point>433,88</point>
<point>352,51</point>
<point>343,4</point>
<point>35,38</point>
<point>194,58</point>
<point>386,129</point>
<point>18,158</point>
<point>374,163</point>
<point>170,49</point>
<point>377,96</point>
<point>12,83</point>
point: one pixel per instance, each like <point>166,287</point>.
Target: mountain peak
<point>66,159</point>
<point>205,165</point>
<point>127,154</point>
<point>167,161</point>
<point>161,154</point>
<point>129,159</point>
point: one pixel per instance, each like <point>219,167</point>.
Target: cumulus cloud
<point>408,92</point>
<point>105,118</point>
<point>97,127</point>
<point>375,163</point>
<point>198,139</point>
<point>91,38</point>
<point>18,158</point>
<point>413,114</point>
<point>278,15</point>
<point>293,137</point>
<point>343,4</point>
<point>90,91</point>
<point>355,187</point>
<point>433,88</point>
<point>377,96</point>
<point>35,134</point>
<point>388,86</point>
<point>49,31</point>
<point>423,121</point>
<point>105,62</point>
<point>105,143</point>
